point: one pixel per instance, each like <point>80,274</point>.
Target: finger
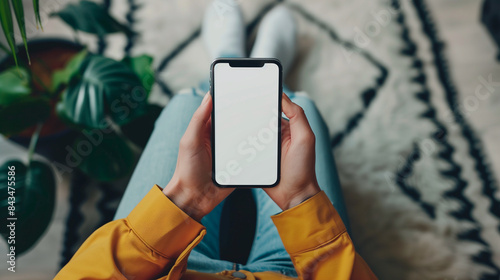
<point>285,127</point>
<point>285,122</point>
<point>299,126</point>
<point>208,127</point>
<point>198,122</point>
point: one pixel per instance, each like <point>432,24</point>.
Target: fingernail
<point>205,99</point>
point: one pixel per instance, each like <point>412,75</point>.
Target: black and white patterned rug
<point>422,198</point>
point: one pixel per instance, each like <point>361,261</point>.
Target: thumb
<point>200,117</point>
<point>299,126</point>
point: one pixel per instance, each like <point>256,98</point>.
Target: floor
<point>469,70</point>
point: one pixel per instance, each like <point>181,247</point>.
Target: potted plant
<point>93,108</point>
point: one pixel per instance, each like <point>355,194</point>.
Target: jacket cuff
<point>163,226</point>
<point>308,225</point>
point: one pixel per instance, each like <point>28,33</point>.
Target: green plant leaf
<point>36,8</point>
<point>90,17</point>
<point>14,85</point>
<point>139,130</point>
<point>63,76</point>
<point>142,66</point>
<point>4,48</point>
<point>106,88</point>
<point>19,12</point>
<point>8,26</point>
<point>22,114</point>
<point>109,157</point>
<point>34,201</point>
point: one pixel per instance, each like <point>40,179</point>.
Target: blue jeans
<point>157,165</point>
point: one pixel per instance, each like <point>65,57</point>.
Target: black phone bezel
<point>246,62</point>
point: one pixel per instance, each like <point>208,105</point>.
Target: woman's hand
<point>298,175</point>
<point>191,187</point>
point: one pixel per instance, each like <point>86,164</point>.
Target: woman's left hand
<point>191,187</point>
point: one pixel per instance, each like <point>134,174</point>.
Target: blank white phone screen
<point>246,110</point>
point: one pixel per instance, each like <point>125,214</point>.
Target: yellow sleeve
<point>153,241</point>
<point>318,243</point>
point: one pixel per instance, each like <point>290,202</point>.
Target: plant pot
<point>47,55</point>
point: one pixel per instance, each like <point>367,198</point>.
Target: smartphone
<point>246,122</point>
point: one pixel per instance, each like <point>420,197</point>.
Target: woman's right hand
<point>298,175</point>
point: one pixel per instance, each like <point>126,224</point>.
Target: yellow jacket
<point>155,240</point>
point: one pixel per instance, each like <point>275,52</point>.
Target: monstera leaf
<point>142,66</point>
<point>103,156</point>
<point>90,17</point>
<point>33,204</point>
<point>105,88</point>
<point>63,76</point>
